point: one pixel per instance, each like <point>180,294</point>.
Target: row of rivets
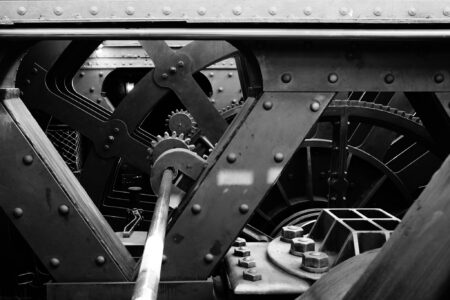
<point>307,11</point>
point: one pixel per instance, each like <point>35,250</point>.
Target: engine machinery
<point>224,149</point>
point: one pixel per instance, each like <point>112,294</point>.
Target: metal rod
<point>221,33</point>
<point>150,270</point>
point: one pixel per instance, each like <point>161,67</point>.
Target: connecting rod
<point>150,269</point>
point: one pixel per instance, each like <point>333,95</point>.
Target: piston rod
<point>150,269</point>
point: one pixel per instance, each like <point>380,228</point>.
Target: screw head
<point>54,262</point>
<point>278,157</point>
<point>28,159</point>
<point>100,260</point>
<point>389,78</point>
<point>63,210</point>
<point>286,77</point>
<point>241,251</point>
<point>196,209</point>
<point>201,11</point>
<point>332,78</point>
<point>231,157</point>
<point>239,242</point>
<point>290,232</point>
<point>439,77</point>
<point>252,274</point>
<point>247,262</point>
<point>267,105</point>
<point>58,10</point>
<point>17,212</point>
<point>315,106</point>
<point>243,208</point>
<point>209,258</point>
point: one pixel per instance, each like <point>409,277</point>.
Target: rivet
<point>196,209</point>
<point>54,262</point>
<point>116,129</point>
<point>58,10</point>
<point>34,70</point>
<point>389,78</point>
<point>173,70</point>
<point>273,11</point>
<point>166,10</point>
<point>100,260</point>
<point>164,76</point>
<point>28,159</point>
<point>201,11</point>
<point>377,11</point>
<point>230,74</point>
<point>91,89</point>
<point>17,212</point>
<point>100,74</point>
<point>21,10</point>
<point>130,10</point>
<point>278,157</point>
<point>209,258</point>
<point>332,78</point>
<point>286,77</point>
<point>99,100</point>
<point>82,74</point>
<point>446,11</point>
<point>93,10</point>
<point>111,138</point>
<point>164,258</point>
<point>343,11</point>
<point>231,158</point>
<point>211,74</point>
<point>28,81</point>
<point>315,106</point>
<point>243,208</point>
<point>234,101</point>
<point>267,105</point>
<point>438,78</point>
<point>307,11</point>
<point>106,147</point>
<point>412,12</point>
<point>180,64</point>
<point>220,89</point>
<point>63,210</point>
<point>237,10</point>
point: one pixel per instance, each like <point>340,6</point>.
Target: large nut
<point>247,262</point>
<point>301,245</point>
<point>242,251</point>
<point>315,262</point>
<point>252,275</point>
<point>290,232</point>
<point>239,242</point>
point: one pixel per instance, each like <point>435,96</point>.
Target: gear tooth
<point>191,147</point>
<point>174,134</point>
<point>166,134</point>
<point>205,157</point>
<point>181,136</point>
<point>188,141</point>
<point>154,143</point>
<point>159,138</point>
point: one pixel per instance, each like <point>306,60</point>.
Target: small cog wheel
<point>181,121</point>
<point>167,142</point>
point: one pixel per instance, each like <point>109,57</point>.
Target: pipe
<point>221,33</point>
<point>150,269</point>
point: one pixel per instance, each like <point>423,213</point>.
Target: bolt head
<point>231,157</point>
<point>252,275</point>
<point>100,260</point>
<point>290,232</point>
<point>63,210</point>
<point>247,262</point>
<point>267,105</point>
<point>301,245</point>
<point>28,159</point>
<point>286,77</point>
<point>315,259</point>
<point>17,212</point>
<point>239,242</point>
<point>241,251</point>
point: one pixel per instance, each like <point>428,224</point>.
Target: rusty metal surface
<point>274,280</point>
<point>232,11</point>
<point>52,211</point>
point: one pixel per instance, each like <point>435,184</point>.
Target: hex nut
<point>252,275</point>
<point>241,251</point>
<point>290,232</point>
<point>247,262</point>
<point>315,262</point>
<point>301,245</point>
<point>239,242</point>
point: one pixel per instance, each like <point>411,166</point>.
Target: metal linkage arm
<point>150,269</point>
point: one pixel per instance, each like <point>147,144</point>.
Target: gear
<point>181,121</point>
<point>167,142</point>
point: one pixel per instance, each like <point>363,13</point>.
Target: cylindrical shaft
<point>149,272</point>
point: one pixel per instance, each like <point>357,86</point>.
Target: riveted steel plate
<point>354,66</point>
<point>203,11</point>
<point>274,280</point>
